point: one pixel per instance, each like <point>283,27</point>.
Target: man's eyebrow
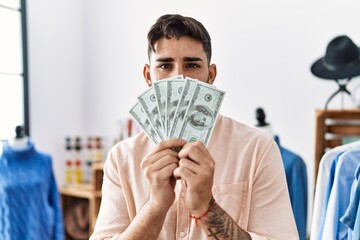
<point>186,59</point>
<point>164,59</point>
<point>192,59</point>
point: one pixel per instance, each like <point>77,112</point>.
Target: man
<point>233,189</point>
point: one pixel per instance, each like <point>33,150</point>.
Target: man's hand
<point>196,168</point>
<point>158,167</point>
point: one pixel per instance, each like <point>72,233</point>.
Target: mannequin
<point>261,122</point>
<point>27,185</point>
<point>296,175</point>
<point>21,140</point>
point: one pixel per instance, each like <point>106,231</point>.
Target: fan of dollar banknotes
<point>178,107</point>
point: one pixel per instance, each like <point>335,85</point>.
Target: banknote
<point>184,100</point>
<point>160,87</point>
<point>201,113</point>
<point>178,107</point>
<point>150,107</point>
<point>142,119</point>
<point>160,93</point>
<point>174,90</point>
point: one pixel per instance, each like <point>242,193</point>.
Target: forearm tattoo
<point>222,226</point>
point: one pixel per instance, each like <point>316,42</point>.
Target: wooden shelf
<point>332,126</point>
<point>89,191</point>
<point>80,190</point>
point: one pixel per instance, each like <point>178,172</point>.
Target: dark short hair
<point>175,25</point>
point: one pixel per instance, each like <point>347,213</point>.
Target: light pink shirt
<point>249,184</point>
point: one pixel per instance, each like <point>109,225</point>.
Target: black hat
<point>341,61</point>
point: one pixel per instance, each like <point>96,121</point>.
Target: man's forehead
<point>185,46</point>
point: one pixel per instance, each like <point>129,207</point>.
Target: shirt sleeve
<point>113,218</point>
<point>271,216</point>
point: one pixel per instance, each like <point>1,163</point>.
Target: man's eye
<point>192,65</point>
<point>165,66</point>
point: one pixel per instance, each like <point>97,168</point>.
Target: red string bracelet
<point>202,215</point>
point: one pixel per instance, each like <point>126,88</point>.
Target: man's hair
<point>177,26</point>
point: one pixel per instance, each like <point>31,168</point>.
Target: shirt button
<point>182,234</point>
<point>182,194</point>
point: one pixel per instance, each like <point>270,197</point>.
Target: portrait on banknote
<point>201,117</point>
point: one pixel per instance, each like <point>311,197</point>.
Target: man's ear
<point>146,73</point>
<point>212,74</point>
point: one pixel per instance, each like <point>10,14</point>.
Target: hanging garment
<point>296,177</point>
<point>351,217</point>
<point>29,199</point>
<point>319,208</point>
<point>340,194</point>
<point>319,198</point>
<point>327,192</point>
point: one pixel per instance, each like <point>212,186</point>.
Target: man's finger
<point>169,144</point>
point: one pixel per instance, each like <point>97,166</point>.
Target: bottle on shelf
<point>78,161</point>
<point>88,160</point>
<point>68,161</point>
<point>78,172</point>
<point>98,154</point>
<point>68,172</point>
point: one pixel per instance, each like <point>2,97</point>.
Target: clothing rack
<point>333,127</point>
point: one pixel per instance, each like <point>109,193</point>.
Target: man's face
<point>184,56</point>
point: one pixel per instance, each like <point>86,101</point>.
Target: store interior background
<point>86,60</point>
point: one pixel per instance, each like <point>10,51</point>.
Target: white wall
<point>55,43</point>
<point>86,60</point>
